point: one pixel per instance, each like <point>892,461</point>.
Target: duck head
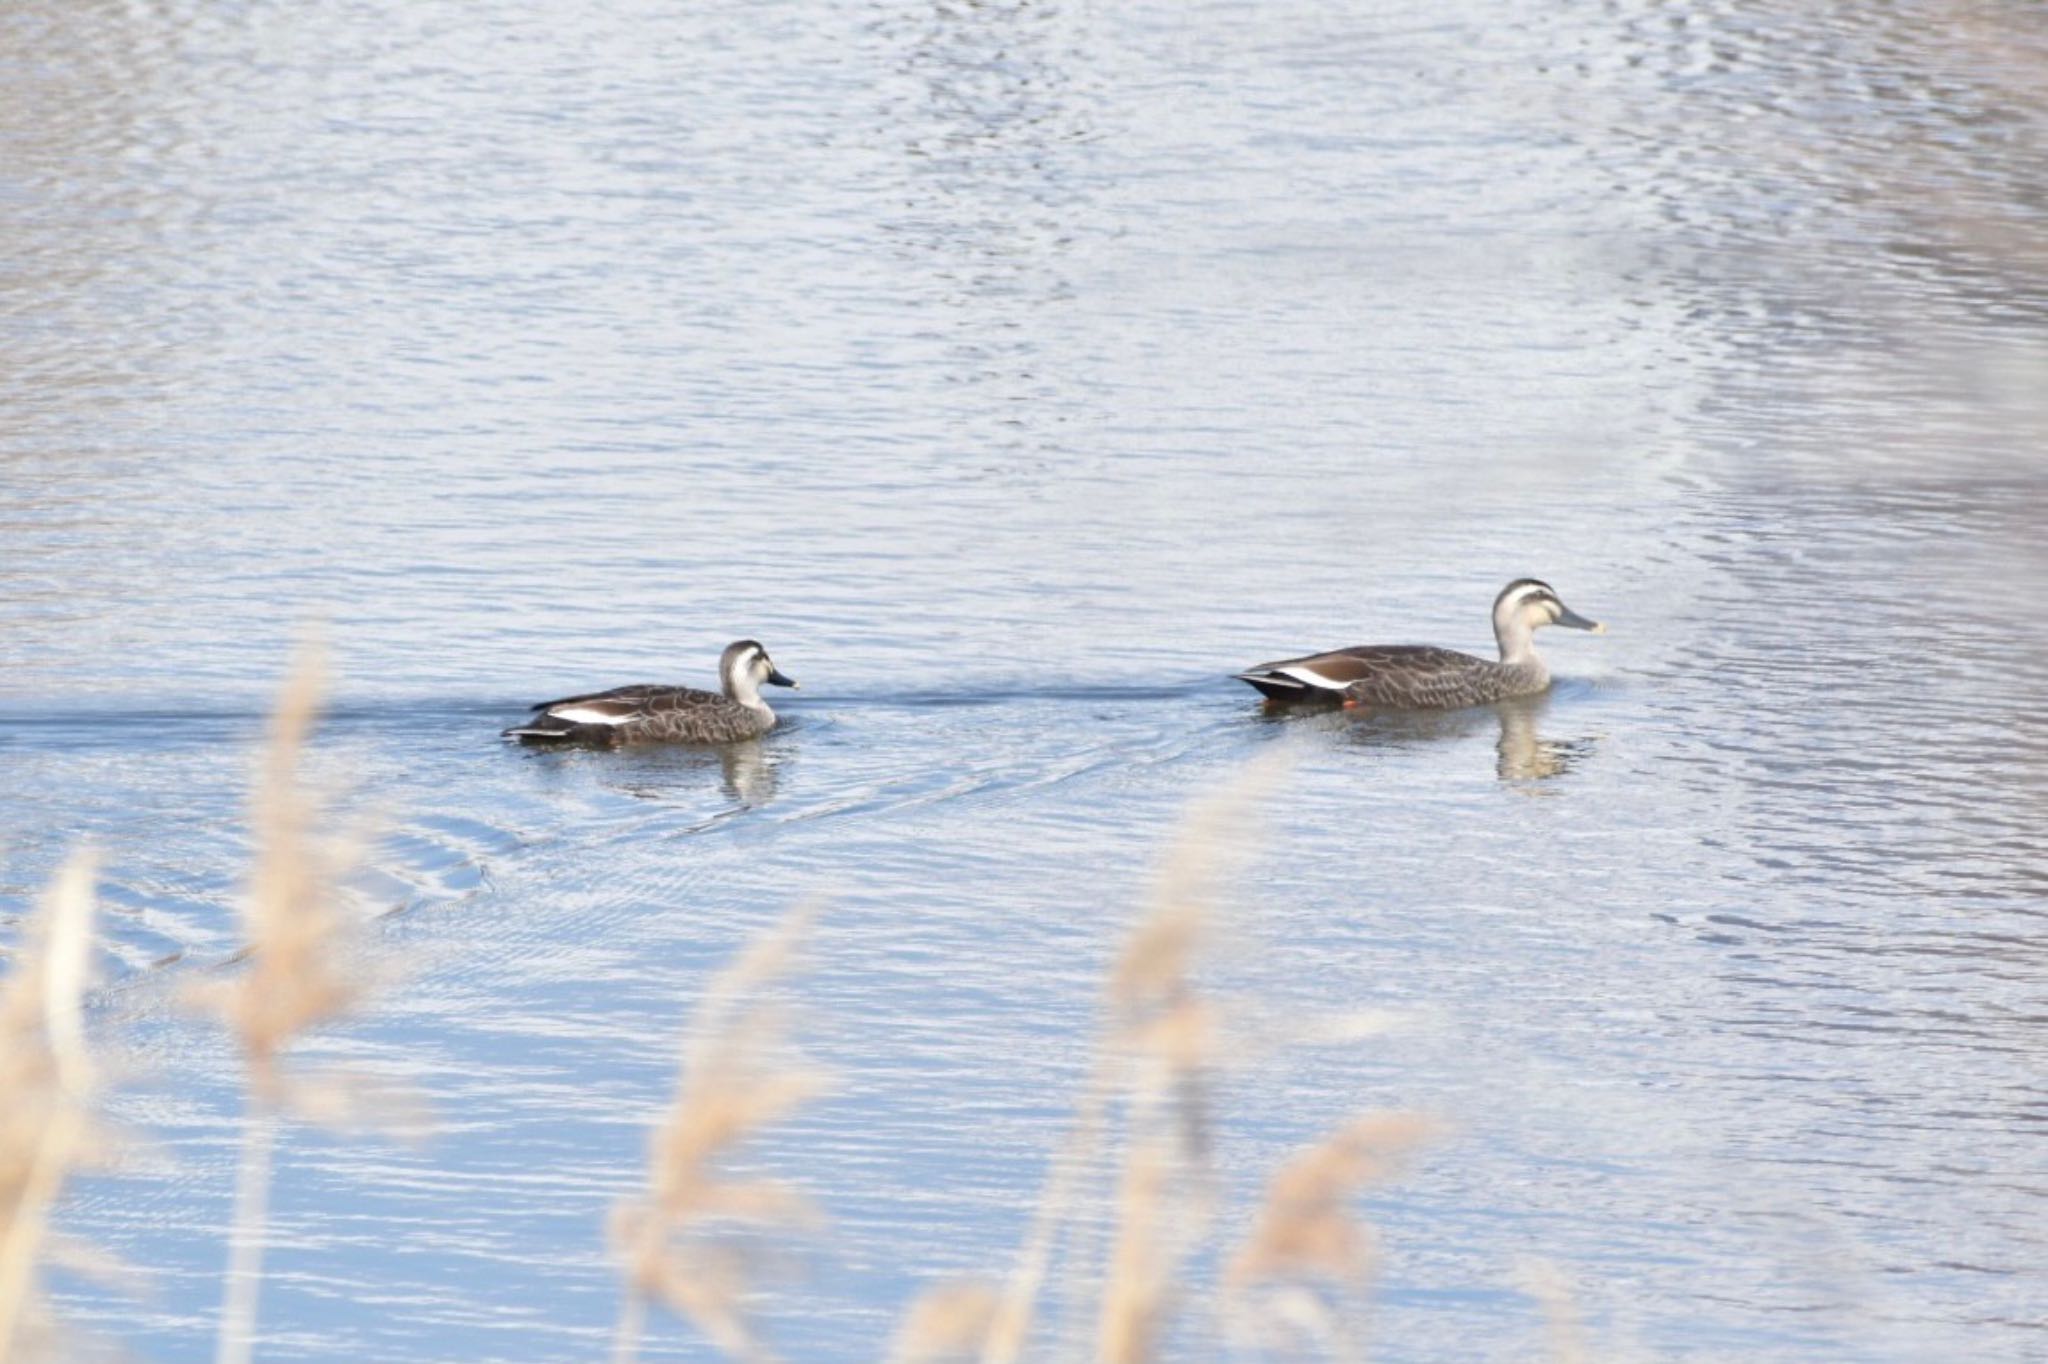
<point>1525,606</point>
<point>744,666</point>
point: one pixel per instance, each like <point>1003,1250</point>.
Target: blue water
<point>1016,371</point>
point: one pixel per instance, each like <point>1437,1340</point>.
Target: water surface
<point>1016,371</point>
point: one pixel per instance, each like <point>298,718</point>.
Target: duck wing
<point>616,697</point>
<point>1423,678</point>
<point>608,715</point>
<point>1397,668</point>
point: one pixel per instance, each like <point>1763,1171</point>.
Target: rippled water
<point>1016,371</point>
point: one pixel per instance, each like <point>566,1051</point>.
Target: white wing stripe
<point>588,715</point>
<point>1301,672</point>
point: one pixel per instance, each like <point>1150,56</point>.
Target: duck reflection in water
<point>1522,754</point>
<point>747,772</point>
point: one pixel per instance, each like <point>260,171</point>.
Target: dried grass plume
<point>1309,1257</point>
<point>950,1321</point>
<point>679,1243</point>
<point>49,1079</point>
<point>303,966</point>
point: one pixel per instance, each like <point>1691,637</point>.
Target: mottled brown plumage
<point>653,714</point>
<point>1418,676</point>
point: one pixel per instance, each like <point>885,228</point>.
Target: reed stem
<point>632,1319</point>
<point>20,1249</point>
<point>235,1343</point>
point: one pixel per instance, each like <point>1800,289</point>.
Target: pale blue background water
<point>1015,371</point>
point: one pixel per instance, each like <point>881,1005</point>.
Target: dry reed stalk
<point>950,1321</point>
<point>1009,1324</point>
<point>302,969</point>
<point>1159,1050</point>
<point>1307,1235</point>
<point>49,1078</point>
<point>1563,1332</point>
<point>1159,1054</point>
<point>738,1078</point>
<point>1134,1299</point>
<point>1168,1042</point>
<point>1171,1043</point>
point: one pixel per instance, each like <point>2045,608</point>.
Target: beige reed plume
<point>1168,1041</point>
<point>1161,1049</point>
<point>1157,1054</point>
<point>49,1078</point>
<point>679,1242</point>
<point>1564,1332</point>
<point>949,1321</point>
<point>1307,1236</point>
<point>303,968</point>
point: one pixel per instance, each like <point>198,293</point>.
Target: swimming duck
<point>676,715</point>
<point>1419,676</point>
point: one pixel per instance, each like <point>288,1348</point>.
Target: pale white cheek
<point>1311,677</point>
<point>586,715</point>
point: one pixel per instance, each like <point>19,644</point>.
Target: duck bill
<point>1575,621</point>
<point>777,678</point>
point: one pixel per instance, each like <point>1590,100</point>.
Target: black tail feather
<point>549,730</point>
